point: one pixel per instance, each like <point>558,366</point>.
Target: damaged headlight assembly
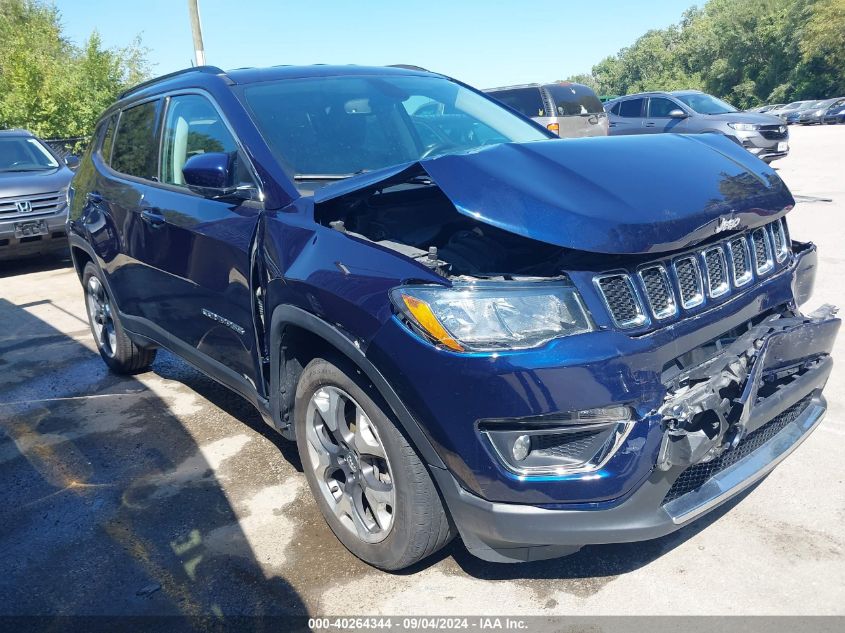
<point>493,316</point>
<point>578,442</point>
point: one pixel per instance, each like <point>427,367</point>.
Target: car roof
<point>203,75</point>
<point>550,84</point>
<point>17,132</point>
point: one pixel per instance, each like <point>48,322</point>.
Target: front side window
<point>21,153</point>
<point>706,104</point>
<point>193,126</point>
<point>631,108</point>
<point>659,108</point>
<point>134,149</point>
<point>339,126</point>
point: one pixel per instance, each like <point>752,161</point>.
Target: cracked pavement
<point>163,493</point>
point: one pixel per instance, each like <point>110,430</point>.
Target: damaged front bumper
<point>728,422</point>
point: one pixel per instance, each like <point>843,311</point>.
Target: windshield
<point>340,126</point>
<point>574,100</point>
<point>20,153</point>
<point>706,104</point>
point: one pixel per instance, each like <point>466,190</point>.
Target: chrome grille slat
<point>690,282</point>
<point>716,271</point>
<point>621,300</point>
<point>740,260</point>
<point>658,291</point>
<point>779,239</point>
<point>763,261</point>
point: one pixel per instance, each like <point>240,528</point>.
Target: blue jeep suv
<point>468,326</point>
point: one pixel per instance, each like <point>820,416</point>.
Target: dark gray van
<point>568,109</point>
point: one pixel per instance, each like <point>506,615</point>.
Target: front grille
<point>38,204</point>
<point>691,278</point>
<point>621,298</point>
<point>774,132</point>
<point>658,290</point>
<point>697,475</point>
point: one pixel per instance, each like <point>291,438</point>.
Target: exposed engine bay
<point>416,219</point>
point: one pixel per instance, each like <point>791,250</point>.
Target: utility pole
<point>196,29</point>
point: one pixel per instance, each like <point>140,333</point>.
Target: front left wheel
<point>369,483</point>
<point>116,348</point>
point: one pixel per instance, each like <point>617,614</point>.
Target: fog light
<point>521,447</point>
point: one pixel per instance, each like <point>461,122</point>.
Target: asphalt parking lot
<point>164,493</point>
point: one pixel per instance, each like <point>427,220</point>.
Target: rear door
<point>577,109</point>
<point>657,116</point>
<point>626,116</point>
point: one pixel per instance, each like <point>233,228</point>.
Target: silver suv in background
<point>568,109</point>
<point>695,112</point>
<point>33,195</point>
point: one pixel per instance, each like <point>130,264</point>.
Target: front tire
<point>371,486</point>
<point>115,347</point>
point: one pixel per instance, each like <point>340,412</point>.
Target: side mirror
<point>72,161</point>
<point>209,174</point>
<point>677,114</point>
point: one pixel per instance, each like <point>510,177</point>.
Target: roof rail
<point>210,70</point>
<point>409,67</point>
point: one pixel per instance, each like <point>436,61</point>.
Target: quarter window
<point>108,139</point>
<point>631,108</point>
<point>134,152</point>
<point>192,127</point>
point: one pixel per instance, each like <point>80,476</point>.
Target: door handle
<point>649,124</point>
<point>152,216</point>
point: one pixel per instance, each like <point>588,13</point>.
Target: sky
<point>483,43</point>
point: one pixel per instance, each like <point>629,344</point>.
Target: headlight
<point>489,316</point>
<point>65,196</point>
<point>744,127</point>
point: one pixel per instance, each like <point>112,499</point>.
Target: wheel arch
<point>296,337</point>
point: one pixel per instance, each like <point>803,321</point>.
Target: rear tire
<point>348,445</point>
<point>115,347</point>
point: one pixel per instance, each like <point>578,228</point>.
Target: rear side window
<point>527,101</point>
<point>574,100</point>
<point>134,148</point>
<point>658,107</point>
<point>192,127</point>
<point>631,108</point>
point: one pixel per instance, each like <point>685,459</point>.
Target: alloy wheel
<point>100,316</point>
<point>350,464</point>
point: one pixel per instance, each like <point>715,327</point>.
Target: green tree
<point>50,86</point>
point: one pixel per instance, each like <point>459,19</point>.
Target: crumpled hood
<point>617,195</point>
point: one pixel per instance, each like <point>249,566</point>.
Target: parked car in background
<point>815,115</point>
<point>695,112</point>
<point>835,114</point>
<point>765,108</point>
<point>33,195</point>
<point>467,325</point>
<point>794,116</point>
<point>568,109</point>
<point>783,111</point>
